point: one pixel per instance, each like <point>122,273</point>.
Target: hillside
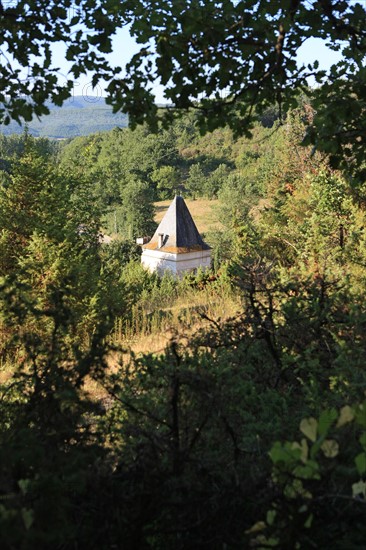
<point>79,116</point>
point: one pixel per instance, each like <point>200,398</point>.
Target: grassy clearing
<point>203,212</point>
<point>151,330</point>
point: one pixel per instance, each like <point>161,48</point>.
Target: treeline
<point>248,430</point>
<point>136,168</point>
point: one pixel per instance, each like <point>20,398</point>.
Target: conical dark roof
<point>177,231</point>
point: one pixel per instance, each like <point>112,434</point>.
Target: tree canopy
<point>248,429</point>
<point>226,58</point>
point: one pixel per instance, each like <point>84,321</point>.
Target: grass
<point>203,212</point>
<point>151,329</point>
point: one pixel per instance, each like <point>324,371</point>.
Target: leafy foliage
<point>228,60</point>
<point>318,478</point>
<point>198,446</point>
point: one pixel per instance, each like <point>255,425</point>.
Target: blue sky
<point>124,47</point>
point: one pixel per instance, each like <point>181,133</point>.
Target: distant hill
<point>79,116</point>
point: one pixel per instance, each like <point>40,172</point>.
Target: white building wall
<point>178,264</point>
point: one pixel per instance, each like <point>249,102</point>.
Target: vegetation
<point>246,430</point>
<point>237,417</point>
<point>228,60</point>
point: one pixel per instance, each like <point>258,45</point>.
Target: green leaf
<point>346,415</point>
<point>360,462</point>
<point>309,471</point>
<point>363,440</point>
<point>330,448</point>
<point>24,485</point>
<point>359,489</point>
<point>361,415</point>
<point>304,448</point>
<point>309,521</point>
<point>277,453</point>
<point>326,419</point>
<point>296,489</point>
<point>257,527</point>
<point>308,426</point>
<point>28,517</point>
<point>271,515</point>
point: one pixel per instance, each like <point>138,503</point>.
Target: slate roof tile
<point>179,231</point>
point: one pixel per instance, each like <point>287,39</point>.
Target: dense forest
<point>222,410</point>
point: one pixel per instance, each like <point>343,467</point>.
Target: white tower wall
<point>177,264</point>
